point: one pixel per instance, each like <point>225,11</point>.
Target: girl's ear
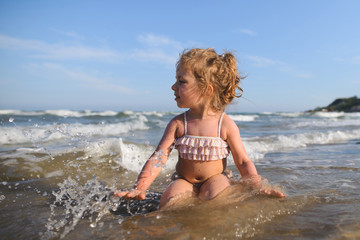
<point>210,90</point>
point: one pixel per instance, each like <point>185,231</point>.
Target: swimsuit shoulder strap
<point>220,121</point>
<point>185,123</point>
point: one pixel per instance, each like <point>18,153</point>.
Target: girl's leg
<point>213,186</point>
<point>175,191</point>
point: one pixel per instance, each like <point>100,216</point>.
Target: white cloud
<point>279,65</point>
<point>57,51</point>
<point>70,34</point>
<point>304,75</point>
<point>157,55</point>
<point>159,41</point>
<point>356,60</point>
<point>246,32</point>
<point>95,82</point>
<point>157,49</point>
<point>352,60</point>
<point>265,62</point>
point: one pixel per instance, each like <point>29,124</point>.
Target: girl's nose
<point>173,87</point>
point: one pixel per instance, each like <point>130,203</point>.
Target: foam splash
<point>91,201</point>
<point>78,202</point>
<point>133,156</point>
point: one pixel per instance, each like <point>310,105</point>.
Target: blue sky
<point>120,55</point>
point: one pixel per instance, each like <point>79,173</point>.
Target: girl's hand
<point>263,187</point>
<point>132,194</point>
<point>272,193</point>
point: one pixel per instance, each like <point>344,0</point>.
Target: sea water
<point>59,169</point>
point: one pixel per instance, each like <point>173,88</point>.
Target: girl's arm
<point>242,160</point>
<point>153,165</point>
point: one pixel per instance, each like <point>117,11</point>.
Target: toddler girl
<point>204,135</point>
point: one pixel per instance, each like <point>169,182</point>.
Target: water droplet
<point>93,225</point>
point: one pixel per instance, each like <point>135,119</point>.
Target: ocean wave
<point>320,115</point>
<point>128,155</point>
<point>290,114</point>
<point>257,147</point>
<point>283,114</point>
<point>132,156</point>
<point>355,115</point>
<point>59,113</point>
<point>21,113</point>
<point>325,123</point>
<point>329,114</point>
<point>72,132</point>
<point>85,113</point>
<point>243,118</point>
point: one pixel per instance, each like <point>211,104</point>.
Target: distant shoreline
<point>351,104</point>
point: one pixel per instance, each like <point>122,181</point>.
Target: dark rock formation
<point>351,104</point>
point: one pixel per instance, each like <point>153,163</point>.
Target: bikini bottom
<point>176,176</point>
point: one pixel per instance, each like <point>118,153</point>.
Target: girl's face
<point>186,89</point>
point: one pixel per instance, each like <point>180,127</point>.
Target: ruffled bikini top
<point>202,148</point>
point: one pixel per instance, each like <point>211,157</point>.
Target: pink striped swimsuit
<point>202,148</point>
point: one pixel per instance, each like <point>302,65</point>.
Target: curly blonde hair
<point>218,71</point>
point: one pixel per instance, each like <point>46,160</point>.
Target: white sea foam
<point>154,113</point>
<point>86,113</point>
<point>19,112</point>
<point>57,173</point>
<point>330,114</point>
<point>290,114</point>
<point>324,123</point>
<point>257,147</point>
<point>128,112</point>
<point>60,113</point>
<point>45,133</point>
<point>243,118</point>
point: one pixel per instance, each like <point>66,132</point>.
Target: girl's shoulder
<point>228,122</point>
<point>178,119</point>
<point>228,126</point>
<point>177,124</point>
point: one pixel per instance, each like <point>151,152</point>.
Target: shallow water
<point>58,174</point>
